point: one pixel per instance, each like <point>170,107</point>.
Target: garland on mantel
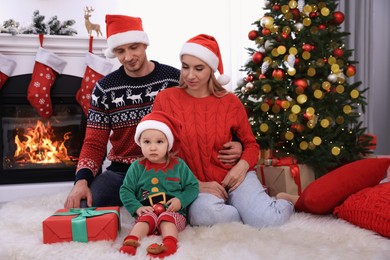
<point>38,26</point>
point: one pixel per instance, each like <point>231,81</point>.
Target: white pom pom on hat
<point>122,29</point>
<point>205,47</point>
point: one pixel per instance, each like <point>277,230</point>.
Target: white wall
<point>168,23</point>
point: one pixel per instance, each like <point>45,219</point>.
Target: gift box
<point>82,225</point>
<point>292,179</point>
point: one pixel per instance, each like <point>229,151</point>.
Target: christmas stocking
<point>7,66</point>
<point>47,66</point>
<point>97,67</point>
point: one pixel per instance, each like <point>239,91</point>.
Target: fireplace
<point>35,150</point>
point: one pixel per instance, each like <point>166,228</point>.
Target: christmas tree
<point>298,91</point>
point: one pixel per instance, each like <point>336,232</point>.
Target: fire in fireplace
<point>35,149</point>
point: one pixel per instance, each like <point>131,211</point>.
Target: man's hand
<point>231,153</point>
<point>79,191</point>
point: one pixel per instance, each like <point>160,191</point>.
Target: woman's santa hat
<point>161,121</point>
<point>205,47</point>
<point>122,29</point>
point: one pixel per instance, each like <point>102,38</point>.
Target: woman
<point>210,115</point>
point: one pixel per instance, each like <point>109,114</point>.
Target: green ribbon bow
<point>79,223</point>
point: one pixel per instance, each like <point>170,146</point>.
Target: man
<point>119,101</point>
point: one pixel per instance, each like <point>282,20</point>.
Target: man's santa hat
<point>161,121</point>
<point>205,47</point>
<point>122,29</point>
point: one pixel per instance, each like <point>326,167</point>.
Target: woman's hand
<point>231,153</point>
<point>214,188</point>
<point>235,176</point>
<point>143,210</point>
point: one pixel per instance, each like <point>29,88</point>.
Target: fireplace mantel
<point>23,48</point>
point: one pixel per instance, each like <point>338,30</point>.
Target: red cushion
<point>368,208</point>
<point>331,189</point>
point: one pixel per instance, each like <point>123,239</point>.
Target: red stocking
<point>97,67</point>
<point>7,66</point>
<point>47,66</point>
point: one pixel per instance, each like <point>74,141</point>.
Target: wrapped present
<point>291,178</point>
<point>82,225</point>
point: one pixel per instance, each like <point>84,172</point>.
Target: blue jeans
<point>105,189</point>
<point>249,204</point>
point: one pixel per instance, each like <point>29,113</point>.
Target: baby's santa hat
<point>205,47</point>
<point>122,29</point>
<point>161,121</point>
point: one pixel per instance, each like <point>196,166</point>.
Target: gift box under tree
<point>292,178</point>
<point>82,225</point>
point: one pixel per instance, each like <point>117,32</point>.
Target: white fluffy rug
<point>305,236</point>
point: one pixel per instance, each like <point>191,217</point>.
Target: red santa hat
<point>205,47</point>
<point>161,121</point>
<point>122,29</point>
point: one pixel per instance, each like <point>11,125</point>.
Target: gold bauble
<point>293,4</point>
<point>324,123</point>
<point>289,135</point>
<point>281,49</point>
<point>335,68</point>
<point>306,21</point>
<point>303,145</point>
<point>336,150</point>
<point>311,72</point>
<point>293,51</point>
<point>292,117</point>
<point>307,9</point>
<point>266,88</point>
<point>306,55</point>
<point>302,98</point>
<point>354,93</point>
<point>264,127</point>
<point>332,60</point>
<point>317,140</point>
<point>318,94</point>
<point>285,9</point>
<point>275,109</point>
<point>340,120</point>
<point>264,107</point>
<point>347,109</point>
<point>340,89</point>
<point>325,11</point>
<point>296,109</point>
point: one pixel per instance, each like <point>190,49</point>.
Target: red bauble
<point>252,35</point>
<point>300,83</point>
<point>276,7</point>
<point>321,27</point>
<point>257,57</point>
<point>284,35</point>
<point>338,17</point>
<point>262,76</point>
<point>313,15</point>
<point>338,53</point>
<point>158,208</point>
<point>295,13</point>
<point>307,47</point>
<point>350,71</point>
<point>278,74</point>
<point>249,78</point>
<point>265,32</point>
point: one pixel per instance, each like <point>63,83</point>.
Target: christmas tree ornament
<point>46,68</point>
<point>7,66</point>
<point>350,71</point>
<point>338,17</point>
<point>257,57</point>
<point>338,53</point>
<point>354,94</point>
<point>252,35</point>
<point>97,68</point>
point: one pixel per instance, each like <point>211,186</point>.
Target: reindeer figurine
<point>91,26</point>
